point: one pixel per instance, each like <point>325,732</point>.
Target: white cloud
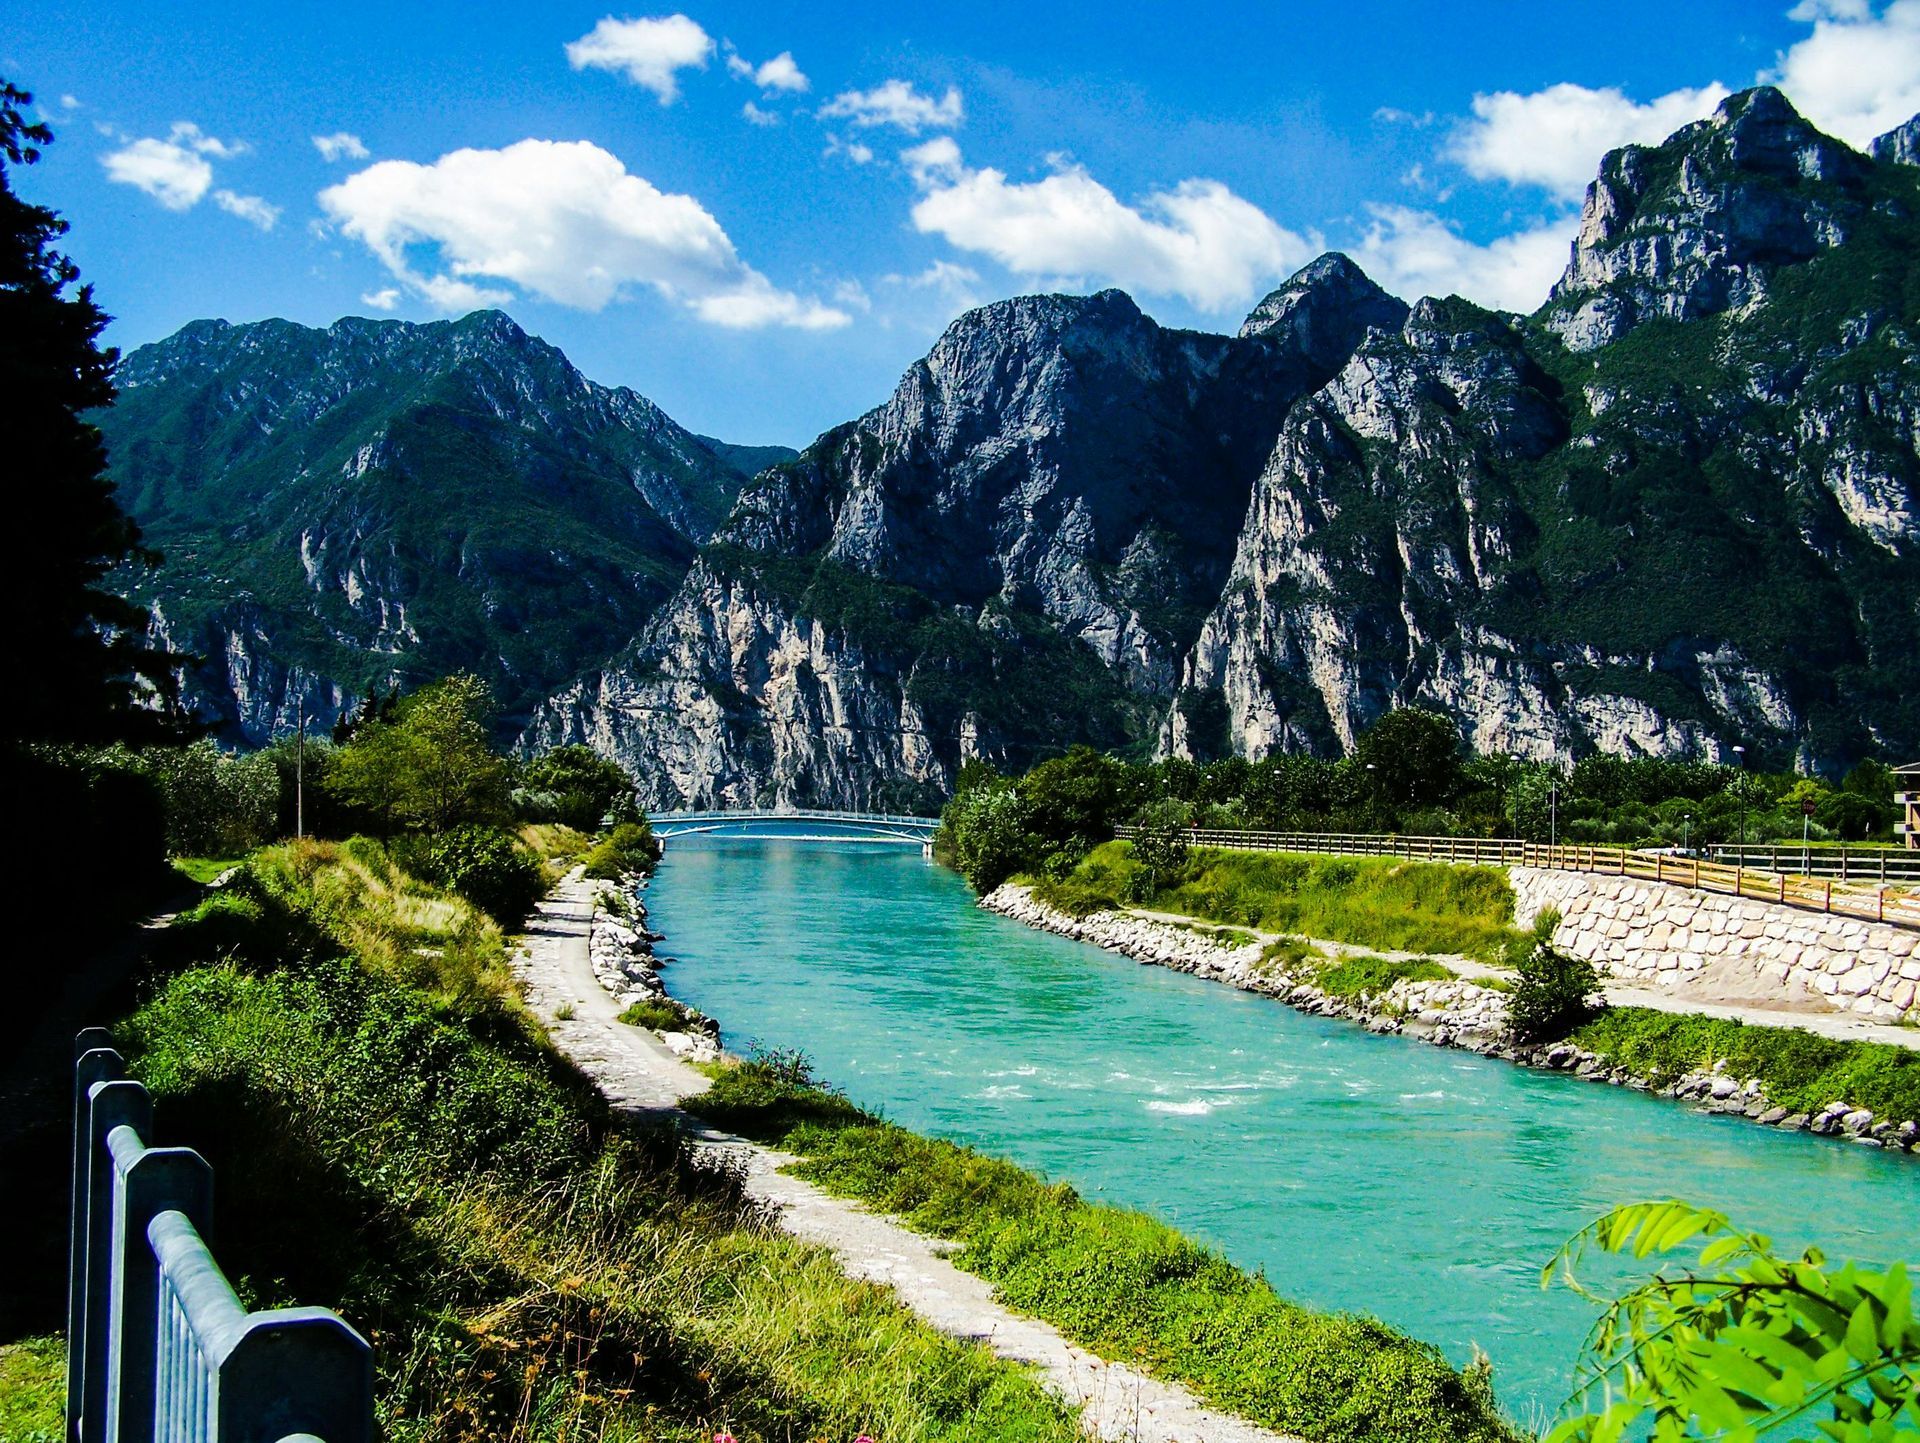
<point>853,150</point>
<point>1415,253</point>
<point>250,208</point>
<point>756,116</point>
<point>1858,74</point>
<point>651,53</point>
<point>1555,137</point>
<point>898,104</point>
<point>69,102</point>
<point>341,145</point>
<point>178,172</point>
<point>561,220</point>
<point>781,73</point>
<point>934,162</point>
<point>737,64</point>
<point>1198,240</point>
<point>384,299</point>
<point>170,173</point>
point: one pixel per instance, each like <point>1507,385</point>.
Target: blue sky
<point>759,215</point>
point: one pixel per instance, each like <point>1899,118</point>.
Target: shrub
<point>659,1016</point>
<point>1553,992</point>
<point>1358,977</point>
<point>630,849</point>
<point>487,866</point>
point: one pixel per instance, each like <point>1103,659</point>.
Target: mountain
<point>747,461</point>
<point>1671,510</point>
<point>378,503</point>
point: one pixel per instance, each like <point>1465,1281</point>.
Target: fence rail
<point>1863,897</point>
<point>158,1345</point>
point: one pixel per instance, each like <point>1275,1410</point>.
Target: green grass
<point>33,1391</point>
<point>1119,1282</point>
<point>1364,977</point>
<point>527,1264</point>
<point>205,870</point>
<point>1370,902</point>
<point>660,1016</point>
<point>1800,1071</point>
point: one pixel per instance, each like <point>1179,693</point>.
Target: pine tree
<point>79,658</point>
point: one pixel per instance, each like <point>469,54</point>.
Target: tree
<point>1072,799</point>
<point>79,661</point>
<point>432,768</point>
<point>1748,1345</point>
<point>1414,757</point>
<point>1160,841</point>
<point>578,786</point>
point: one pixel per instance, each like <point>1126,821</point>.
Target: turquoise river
<point>1424,1185</point>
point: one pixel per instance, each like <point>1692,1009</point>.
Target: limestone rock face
<point>378,503</point>
<point>1698,225</point>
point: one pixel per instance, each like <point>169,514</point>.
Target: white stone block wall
<point>1654,934</point>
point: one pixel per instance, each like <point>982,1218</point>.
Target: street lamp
<point>1373,797</point>
<point>1553,804</point>
<point>1686,832</point>
<point>1740,752</point>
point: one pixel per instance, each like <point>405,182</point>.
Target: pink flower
<point>723,1438</point>
<point>863,1438</point>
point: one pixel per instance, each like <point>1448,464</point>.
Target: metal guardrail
<point>158,1346</point>
<point>1868,901</point>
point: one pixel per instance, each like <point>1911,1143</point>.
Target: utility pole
<point>300,774</point>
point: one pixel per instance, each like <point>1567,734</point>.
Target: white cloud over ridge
<point>1554,138</point>
<point>341,145</point>
<point>650,53</point>
<point>897,104</point>
<point>562,220</point>
<point>1858,74</point>
<point>1415,253</point>
<point>1197,240</point>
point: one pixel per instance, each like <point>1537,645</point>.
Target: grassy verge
<point>33,1391</point>
<point>1119,1282</point>
<point>394,1139</point>
<point>1370,902</point>
<point>204,869</point>
<point>660,1016</point>
<point>1361,977</point>
<point>1800,1071</point>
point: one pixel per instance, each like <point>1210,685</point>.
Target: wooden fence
<point>1870,901</point>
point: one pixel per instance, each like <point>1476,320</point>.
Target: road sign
<point>1808,806</point>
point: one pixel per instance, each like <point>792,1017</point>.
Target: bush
<point>577,786</point>
<point>487,866</point>
<point>1553,992</point>
<point>629,850</point>
<point>659,1016</point>
<point>1362,977</point>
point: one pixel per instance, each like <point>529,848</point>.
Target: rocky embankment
<point>1451,1013</point>
<point>621,950</point>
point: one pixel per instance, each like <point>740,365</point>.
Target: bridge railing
<point>158,1345</point>
<point>1823,894</point>
<point>891,819</point>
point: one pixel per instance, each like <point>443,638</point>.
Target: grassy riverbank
<point>1129,1287</point>
<point>394,1138</point>
<point>1798,1070</point>
<point>1371,902</point>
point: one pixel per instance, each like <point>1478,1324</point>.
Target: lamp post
<point>1686,832</point>
<point>1553,804</point>
<point>1373,797</point>
<point>1740,753</point>
<point>300,774</point>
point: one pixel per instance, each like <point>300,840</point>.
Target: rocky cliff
<point>1671,510</point>
<point>377,503</point>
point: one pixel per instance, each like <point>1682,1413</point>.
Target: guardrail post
<point>297,1370</point>
<point>152,1180</point>
<point>111,1104</point>
<point>94,1061</point>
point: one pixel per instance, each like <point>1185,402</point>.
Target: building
<point>1906,796</point>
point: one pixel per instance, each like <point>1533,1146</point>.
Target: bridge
<point>794,825</point>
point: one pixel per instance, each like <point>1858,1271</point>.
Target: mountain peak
<point>1325,308</point>
<point>1696,225</point>
<point>1899,146</point>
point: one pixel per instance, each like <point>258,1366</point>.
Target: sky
<point>759,215</point>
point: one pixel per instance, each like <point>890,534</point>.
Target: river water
<point>1376,1174</point>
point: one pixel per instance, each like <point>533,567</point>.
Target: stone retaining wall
<point>1654,934</point>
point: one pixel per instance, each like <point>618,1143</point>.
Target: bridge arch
<point>790,824</point>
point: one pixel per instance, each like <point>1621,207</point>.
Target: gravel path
<point>637,1073</point>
